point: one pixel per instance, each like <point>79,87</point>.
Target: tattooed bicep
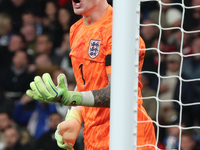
<point>102,96</point>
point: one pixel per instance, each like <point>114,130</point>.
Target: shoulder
<point>75,28</point>
<point>76,25</point>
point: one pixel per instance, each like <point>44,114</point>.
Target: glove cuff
<point>74,114</point>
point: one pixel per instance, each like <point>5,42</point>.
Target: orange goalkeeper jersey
<point>91,61</point>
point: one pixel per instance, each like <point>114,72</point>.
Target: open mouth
<point>76,1</point>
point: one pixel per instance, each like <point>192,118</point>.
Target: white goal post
<point>125,52</point>
<point>123,119</point>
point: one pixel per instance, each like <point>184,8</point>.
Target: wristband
<point>87,99</point>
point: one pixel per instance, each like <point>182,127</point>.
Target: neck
<point>95,14</point>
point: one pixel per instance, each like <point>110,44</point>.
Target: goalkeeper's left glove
<point>67,131</point>
<point>48,92</point>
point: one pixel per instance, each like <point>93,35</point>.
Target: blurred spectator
<point>15,78</point>
<point>186,97</point>
<point>12,137</point>
<point>192,16</point>
<point>167,85</point>
<point>36,120</point>
<point>153,58</point>
<point>17,42</point>
<point>47,141</point>
<point>50,22</point>
<point>146,8</point>
<point>154,14</point>
<point>6,103</point>
<point>196,11</point>
<point>176,43</point>
<point>7,121</point>
<point>29,33</point>
<point>51,10</point>
<point>28,17</point>
<point>190,90</point>
<point>193,62</point>
<point>5,29</point>
<point>173,17</point>
<point>188,141</point>
<point>64,49</point>
<point>171,141</point>
<point>62,53</point>
<point>191,65</point>
<point>64,18</point>
<point>43,64</point>
<point>149,104</point>
<point>149,32</point>
<point>159,60</point>
<point>15,8</point>
<point>44,45</point>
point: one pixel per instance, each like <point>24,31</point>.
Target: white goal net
<point>171,71</point>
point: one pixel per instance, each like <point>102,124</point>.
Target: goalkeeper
<point>91,43</point>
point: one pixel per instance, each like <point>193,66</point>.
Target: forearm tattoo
<point>102,96</point>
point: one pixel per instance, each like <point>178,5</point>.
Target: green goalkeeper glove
<point>48,92</point>
<point>68,130</point>
<point>60,142</point>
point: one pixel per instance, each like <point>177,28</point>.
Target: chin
<point>78,12</point>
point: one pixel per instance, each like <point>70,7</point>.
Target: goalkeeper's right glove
<point>48,92</point>
<point>67,131</point>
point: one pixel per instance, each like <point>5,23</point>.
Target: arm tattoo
<point>102,96</point>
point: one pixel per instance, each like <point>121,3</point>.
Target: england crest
<point>94,48</point>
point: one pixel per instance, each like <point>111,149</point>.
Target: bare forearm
<point>96,98</point>
<point>102,96</point>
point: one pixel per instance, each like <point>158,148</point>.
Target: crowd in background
<point>34,39</point>
<point>172,37</point>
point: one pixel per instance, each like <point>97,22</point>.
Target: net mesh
<point>171,72</point>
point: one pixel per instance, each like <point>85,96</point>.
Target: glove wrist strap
<point>74,114</point>
<point>75,99</point>
<point>79,99</point>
